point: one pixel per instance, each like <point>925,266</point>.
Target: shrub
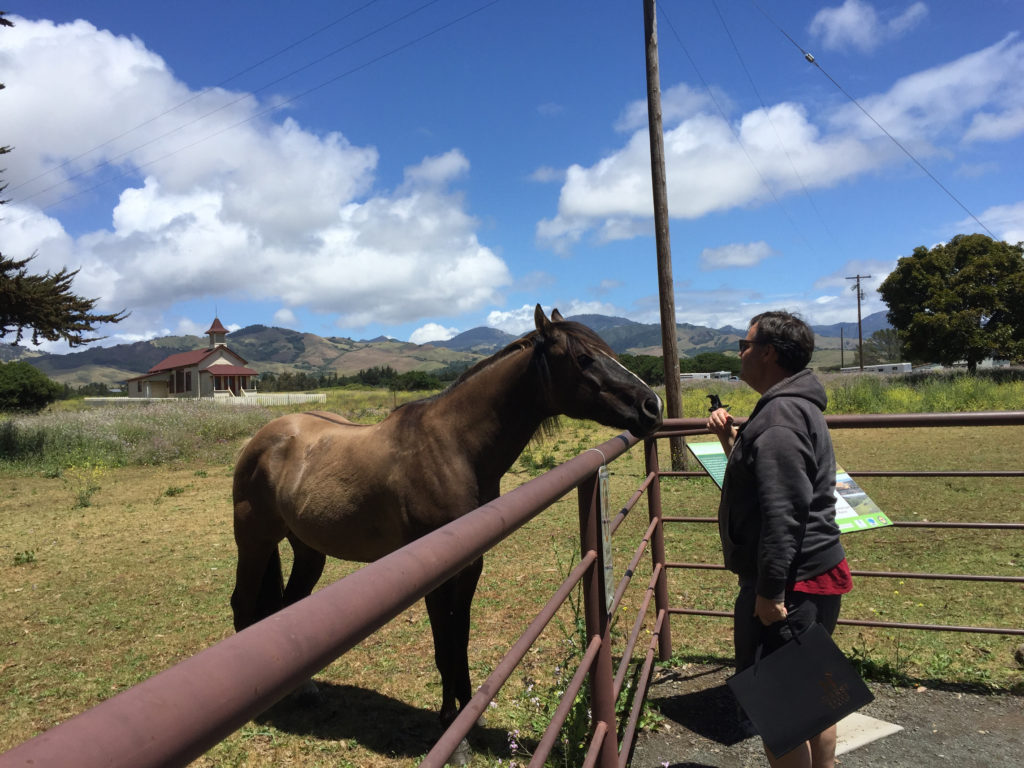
<point>25,388</point>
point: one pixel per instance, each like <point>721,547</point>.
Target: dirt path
<point>940,726</point>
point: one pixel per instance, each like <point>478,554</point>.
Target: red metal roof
<point>231,370</point>
<point>188,359</point>
<point>182,360</point>
<point>217,327</point>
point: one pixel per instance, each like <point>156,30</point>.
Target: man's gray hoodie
<point>777,513</point>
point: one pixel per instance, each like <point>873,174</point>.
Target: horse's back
<point>285,444</point>
<point>316,475</point>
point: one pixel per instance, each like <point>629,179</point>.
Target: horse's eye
<point>584,360</point>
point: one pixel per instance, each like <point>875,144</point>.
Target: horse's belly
<point>362,536</point>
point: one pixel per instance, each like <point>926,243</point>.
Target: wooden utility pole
<point>860,335</point>
<point>666,290</point>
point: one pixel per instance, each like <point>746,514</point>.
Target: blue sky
<point>417,168</point>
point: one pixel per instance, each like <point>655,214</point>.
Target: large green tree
<point>44,304</point>
<point>959,301</point>
<point>883,346</point>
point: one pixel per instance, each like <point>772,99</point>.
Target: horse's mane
<point>580,338</point>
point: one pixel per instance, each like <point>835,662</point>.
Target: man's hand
<point>769,611</point>
<point>721,425</point>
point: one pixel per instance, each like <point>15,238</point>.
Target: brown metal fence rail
<point>177,715</point>
<point>903,420</point>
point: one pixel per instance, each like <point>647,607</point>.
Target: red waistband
<point>836,581</point>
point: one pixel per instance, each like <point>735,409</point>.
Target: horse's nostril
<point>652,407</point>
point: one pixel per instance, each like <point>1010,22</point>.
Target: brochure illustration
<point>855,511</point>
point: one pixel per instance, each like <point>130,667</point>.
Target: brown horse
<point>359,492</point>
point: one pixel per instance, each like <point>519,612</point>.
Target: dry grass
<point>99,597</point>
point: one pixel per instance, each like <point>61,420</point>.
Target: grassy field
<point>114,568</point>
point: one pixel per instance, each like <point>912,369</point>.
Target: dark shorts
<point>804,609</point>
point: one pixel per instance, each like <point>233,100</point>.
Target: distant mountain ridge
<point>272,349</point>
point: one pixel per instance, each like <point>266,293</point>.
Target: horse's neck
<point>497,411</point>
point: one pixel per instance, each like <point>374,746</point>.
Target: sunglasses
<point>746,344</point>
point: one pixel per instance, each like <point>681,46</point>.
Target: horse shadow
<point>375,721</point>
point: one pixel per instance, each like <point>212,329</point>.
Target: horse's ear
<point>556,316</point>
<point>541,321</point>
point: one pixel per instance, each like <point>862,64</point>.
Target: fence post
<point>602,684</point>
<point>658,548</point>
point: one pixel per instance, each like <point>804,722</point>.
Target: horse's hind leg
<point>259,586</point>
<point>448,607</point>
<point>307,568</point>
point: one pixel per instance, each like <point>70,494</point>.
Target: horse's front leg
<point>448,607</point>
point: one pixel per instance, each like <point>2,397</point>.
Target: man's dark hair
<point>789,334</point>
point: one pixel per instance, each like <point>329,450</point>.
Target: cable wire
<point>768,116</point>
<point>732,129</point>
<point>810,58</point>
<point>189,100</point>
<point>273,108</point>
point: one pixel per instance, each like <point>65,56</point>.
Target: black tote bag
<point>799,690</point>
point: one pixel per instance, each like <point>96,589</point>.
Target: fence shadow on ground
<point>375,721</point>
<point>709,712</point>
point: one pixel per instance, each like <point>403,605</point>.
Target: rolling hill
<point>277,350</point>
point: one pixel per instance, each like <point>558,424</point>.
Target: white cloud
<point>1006,221</point>
<point>935,104</point>
<point>708,171</point>
<point>432,332</point>
<point>856,24</point>
<point>434,171</point>
<point>986,126</point>
<point>678,102</point>
<point>546,174</point>
<point>188,327</point>
<point>249,208</point>
<point>514,321</point>
<point>578,307</point>
<point>286,318</point>
<point>735,255</point>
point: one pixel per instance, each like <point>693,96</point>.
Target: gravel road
<point>941,726</point>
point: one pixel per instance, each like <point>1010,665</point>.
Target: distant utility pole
<point>669,347</point>
<point>842,344</point>
<point>860,335</point>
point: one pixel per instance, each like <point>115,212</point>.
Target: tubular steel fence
<point>690,427</point>
<point>177,715</point>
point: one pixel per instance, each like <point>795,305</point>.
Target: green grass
<point>98,597</point>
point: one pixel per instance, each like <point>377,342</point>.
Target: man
<point>776,518</point>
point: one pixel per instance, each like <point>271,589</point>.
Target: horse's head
<point>586,381</point>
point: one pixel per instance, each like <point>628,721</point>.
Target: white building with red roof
<point>212,372</point>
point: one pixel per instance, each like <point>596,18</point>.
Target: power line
<point>273,108</point>
<point>732,129</point>
<point>768,116</point>
<point>810,58</point>
<point>189,100</point>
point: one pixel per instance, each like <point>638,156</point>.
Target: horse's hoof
<point>462,754</point>
<point>307,695</point>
